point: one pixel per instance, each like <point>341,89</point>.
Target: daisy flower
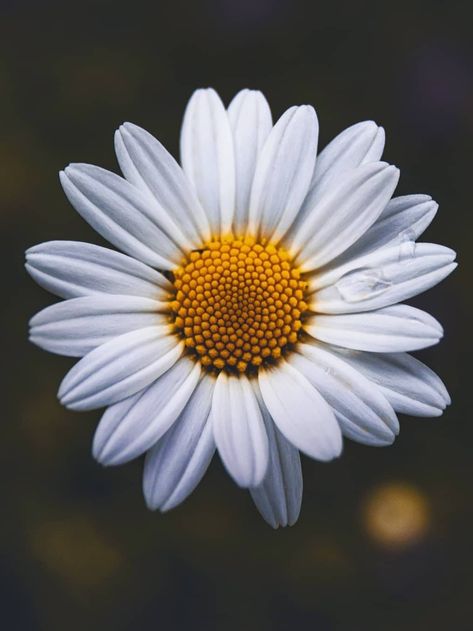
<point>254,308</point>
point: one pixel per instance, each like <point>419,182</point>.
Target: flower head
<point>254,308</point>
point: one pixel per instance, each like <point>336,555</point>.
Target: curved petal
<point>403,220</point>
<point>71,269</point>
<point>356,403</point>
<point>130,427</point>
<point>388,330</point>
<point>125,216</point>
<point>179,460</point>
<point>279,496</point>
<point>283,173</point>
<point>207,157</point>
<point>343,214</point>
<point>300,412</point>
<point>149,166</point>
<point>239,430</point>
<point>383,277</point>
<point>119,368</point>
<point>409,385</point>
<point>77,326</point>
<point>356,145</point>
<point>251,123</point>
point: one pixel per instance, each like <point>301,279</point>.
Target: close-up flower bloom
<point>254,308</point>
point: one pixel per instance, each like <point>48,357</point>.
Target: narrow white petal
<point>119,368</point>
<point>409,385</point>
<point>124,215</point>
<point>207,157</point>
<point>300,412</point>
<point>356,145</point>
<point>77,326</point>
<point>130,427</point>
<point>71,269</point>
<point>388,330</point>
<point>356,403</point>
<point>239,430</point>
<point>344,214</point>
<point>251,123</point>
<point>179,460</point>
<point>358,434</point>
<point>149,166</point>
<point>283,172</point>
<point>279,497</point>
<point>383,277</point>
<point>403,219</point>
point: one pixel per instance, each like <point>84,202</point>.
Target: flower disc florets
<point>238,304</point>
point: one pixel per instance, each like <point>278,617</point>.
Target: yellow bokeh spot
<point>238,304</point>
<point>396,515</point>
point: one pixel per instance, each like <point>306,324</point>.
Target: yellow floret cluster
<point>238,304</point>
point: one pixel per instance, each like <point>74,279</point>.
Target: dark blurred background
<point>385,535</point>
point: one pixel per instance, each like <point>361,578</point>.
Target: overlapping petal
<point>123,214</point>
<point>300,412</point>
<point>119,368</point>
<point>278,498</point>
<point>362,410</point>
<point>359,144</point>
<point>208,159</point>
<point>409,385</point>
<point>283,173</point>
<point>382,278</point>
<point>403,220</point>
<point>149,166</point>
<point>251,122</point>
<point>130,427</point>
<point>239,430</point>
<point>178,461</point>
<point>77,326</point>
<point>71,269</point>
<point>389,330</point>
<point>343,214</point>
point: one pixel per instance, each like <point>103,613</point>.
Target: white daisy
<point>255,308</point>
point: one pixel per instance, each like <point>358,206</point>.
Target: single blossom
<point>254,308</point>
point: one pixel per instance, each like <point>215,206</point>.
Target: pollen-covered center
<point>238,304</point>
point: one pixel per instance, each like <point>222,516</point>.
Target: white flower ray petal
<point>119,368</point>
<point>132,426</point>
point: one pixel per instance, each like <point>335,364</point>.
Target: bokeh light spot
<point>396,515</point>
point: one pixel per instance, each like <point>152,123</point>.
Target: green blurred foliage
<point>79,548</point>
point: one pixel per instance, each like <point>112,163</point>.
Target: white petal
<point>178,461</point>
<point>383,277</point>
<point>283,173</point>
<point>356,145</point>
<point>344,214</point>
<point>279,497</point>
<point>120,368</point>
<point>128,218</point>
<point>388,330</point>
<point>358,406</point>
<point>70,269</point>
<point>408,384</point>
<point>77,326</point>
<point>404,219</point>
<point>239,430</point>
<point>251,123</point>
<point>300,412</point>
<point>150,167</point>
<point>130,427</point>
<point>207,157</point>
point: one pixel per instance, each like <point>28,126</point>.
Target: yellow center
<point>238,304</point>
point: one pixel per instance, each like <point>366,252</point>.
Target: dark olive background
<point>79,548</point>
